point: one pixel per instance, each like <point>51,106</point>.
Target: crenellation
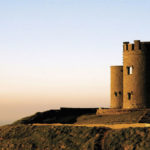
<point>137,44</point>
<point>125,46</point>
<point>130,47</point>
<point>126,42</point>
<point>135,78</point>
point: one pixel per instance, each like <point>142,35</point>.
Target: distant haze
<point>57,53</point>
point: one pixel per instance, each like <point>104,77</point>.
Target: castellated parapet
<point>136,76</point>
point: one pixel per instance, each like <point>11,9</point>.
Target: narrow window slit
<point>115,93</point>
<point>129,70</point>
<point>129,96</point>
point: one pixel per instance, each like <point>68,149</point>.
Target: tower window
<point>129,96</point>
<point>115,93</point>
<point>119,92</point>
<point>129,70</point>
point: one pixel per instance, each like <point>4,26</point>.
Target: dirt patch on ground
<point>112,126</point>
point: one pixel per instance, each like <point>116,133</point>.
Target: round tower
<point>116,86</point>
<point>136,75</point>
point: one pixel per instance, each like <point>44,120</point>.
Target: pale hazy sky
<point>57,53</point>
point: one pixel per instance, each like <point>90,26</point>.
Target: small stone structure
<point>130,83</point>
<point>116,86</point>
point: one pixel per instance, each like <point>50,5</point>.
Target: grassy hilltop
<point>86,131</point>
<point>30,137</point>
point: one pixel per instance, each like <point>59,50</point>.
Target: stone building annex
<point>130,83</point>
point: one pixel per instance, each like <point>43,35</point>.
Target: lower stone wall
<point>103,111</point>
<point>77,110</point>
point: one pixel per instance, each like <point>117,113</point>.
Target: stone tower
<point>136,75</point>
<point>134,81</point>
<point>116,86</point>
